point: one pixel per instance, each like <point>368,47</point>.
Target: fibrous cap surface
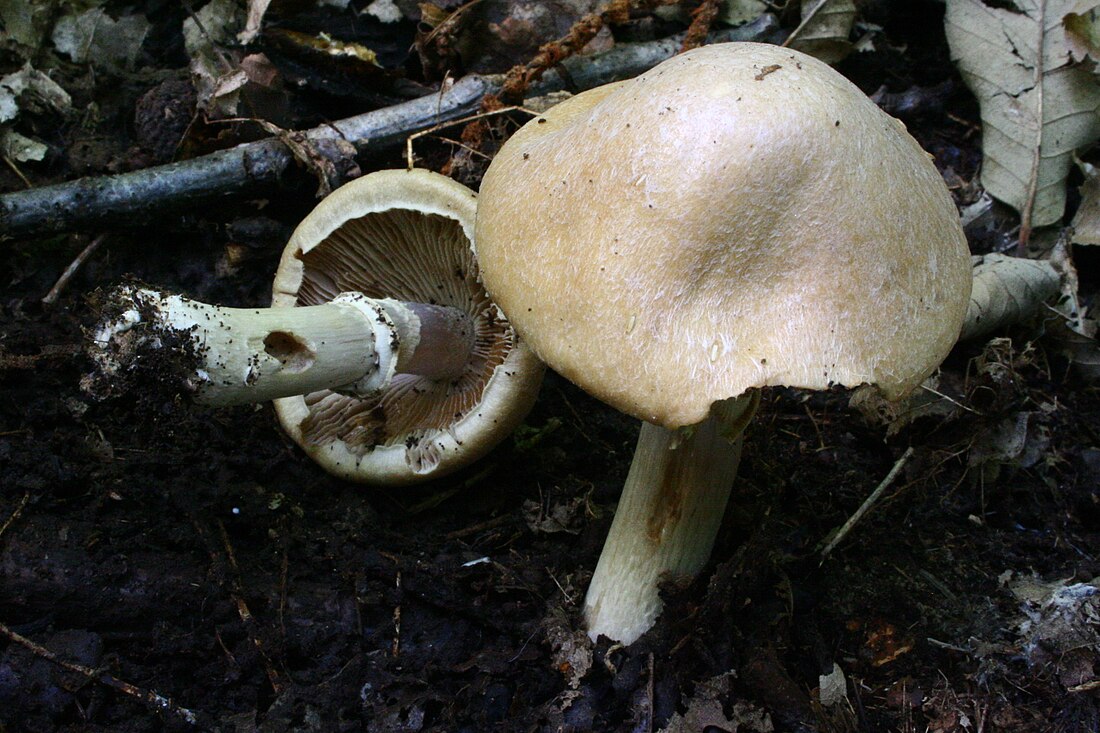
<point>739,216</point>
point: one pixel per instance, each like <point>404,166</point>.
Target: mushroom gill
<point>392,254</point>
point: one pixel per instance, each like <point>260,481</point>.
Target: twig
<point>945,645</point>
<point>1036,159</point>
<point>395,648</point>
<point>15,514</point>
<point>450,21</point>
<point>51,297</point>
<point>650,702</point>
<point>284,572</point>
<point>866,505</point>
<point>479,527</point>
<point>31,361</point>
<point>444,125</point>
<point>805,22</point>
<point>134,199</point>
<point>246,614</point>
<point>15,169</point>
<point>950,399</point>
<point>151,698</point>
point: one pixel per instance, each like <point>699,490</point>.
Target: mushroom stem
<point>667,519</point>
<point>352,344</point>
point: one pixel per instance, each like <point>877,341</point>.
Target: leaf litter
<point>374,618</point>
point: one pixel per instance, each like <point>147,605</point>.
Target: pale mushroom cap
<point>739,216</point>
<point>404,235</point>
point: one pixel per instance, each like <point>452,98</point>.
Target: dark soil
<point>199,554</point>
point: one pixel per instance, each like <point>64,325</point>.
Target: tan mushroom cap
<point>739,216</point>
<point>404,235</point>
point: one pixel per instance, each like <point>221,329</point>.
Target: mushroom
<point>737,217</point>
<point>386,358</point>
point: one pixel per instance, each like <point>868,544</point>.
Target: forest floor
<point>200,555</point>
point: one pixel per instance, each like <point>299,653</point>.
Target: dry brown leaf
<point>998,54</point>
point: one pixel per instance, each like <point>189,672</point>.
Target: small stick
<point>246,614</point>
<point>395,649</point>
<point>452,123</point>
<point>650,684</point>
<point>151,698</point>
<point>51,297</point>
<point>449,22</point>
<point>15,514</point>
<point>805,22</point>
<point>480,526</point>
<point>15,169</point>
<point>866,505</point>
<point>284,572</point>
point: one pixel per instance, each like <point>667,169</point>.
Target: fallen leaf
<point>832,687</point>
<point>96,38</point>
<point>254,75</point>
<point>1061,628</point>
<point>736,12</point>
<point>256,11</point>
<point>569,516</point>
<point>572,649</point>
<point>824,29</point>
<point>1086,222</point>
<point>1083,32</point>
<point>1036,108</point>
<point>21,148</point>
<point>216,24</point>
<point>706,710</point>
<point>1017,441</point>
<point>1007,290</point>
<point>25,23</point>
<point>385,10</point>
<point>32,90</point>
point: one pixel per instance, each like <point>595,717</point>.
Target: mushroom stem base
<point>667,519</point>
<point>226,356</point>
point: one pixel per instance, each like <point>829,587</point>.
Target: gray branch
<point>136,198</point>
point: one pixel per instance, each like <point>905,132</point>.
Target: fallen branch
<point>154,700</point>
<point>136,198</point>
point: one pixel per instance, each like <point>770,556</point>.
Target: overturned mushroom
<point>737,217</point>
<point>387,360</point>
